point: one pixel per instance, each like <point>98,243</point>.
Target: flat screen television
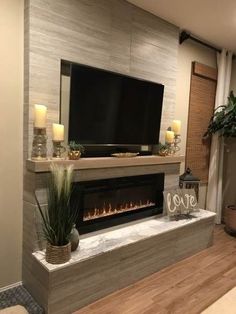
<point>108,108</point>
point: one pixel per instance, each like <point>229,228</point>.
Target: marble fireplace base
<point>115,258</point>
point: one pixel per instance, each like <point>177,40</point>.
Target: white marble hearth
<point>94,244</point>
<point>114,258</point>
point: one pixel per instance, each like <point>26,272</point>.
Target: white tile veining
<point>108,240</point>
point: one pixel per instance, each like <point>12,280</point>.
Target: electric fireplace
<point>109,202</point>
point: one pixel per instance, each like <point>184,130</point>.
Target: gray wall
<point>110,34</point>
<point>229,178</point>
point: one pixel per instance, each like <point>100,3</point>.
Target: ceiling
<point>211,20</point>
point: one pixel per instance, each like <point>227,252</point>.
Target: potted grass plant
<point>59,216</point>
<point>223,122</point>
<point>75,150</point>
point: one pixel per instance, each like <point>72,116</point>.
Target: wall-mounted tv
<point>108,108</point>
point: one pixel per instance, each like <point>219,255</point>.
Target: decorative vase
<point>58,254</point>
<point>230,220</point>
<point>74,154</point>
<point>74,238</point>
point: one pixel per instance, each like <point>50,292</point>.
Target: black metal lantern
<point>188,181</point>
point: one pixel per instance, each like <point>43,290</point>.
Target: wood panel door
<point>201,107</point>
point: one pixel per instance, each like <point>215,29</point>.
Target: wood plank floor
<point>187,287</point>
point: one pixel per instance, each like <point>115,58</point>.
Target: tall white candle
<point>57,132</point>
<point>40,115</point>
<point>176,127</point>
<point>169,137</point>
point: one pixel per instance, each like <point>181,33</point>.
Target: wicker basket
<point>58,254</point>
<point>230,219</point>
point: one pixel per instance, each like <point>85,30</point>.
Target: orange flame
<point>108,210</point>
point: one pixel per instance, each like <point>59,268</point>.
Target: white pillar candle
<point>57,132</point>
<point>40,115</point>
<point>176,127</point>
<point>170,137</point>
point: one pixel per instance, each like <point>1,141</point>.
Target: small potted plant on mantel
<point>224,122</point>
<point>59,216</point>
<point>162,149</point>
<point>75,150</point>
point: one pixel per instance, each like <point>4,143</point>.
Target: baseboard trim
<point>16,284</point>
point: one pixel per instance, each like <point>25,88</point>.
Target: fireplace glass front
<point>104,203</point>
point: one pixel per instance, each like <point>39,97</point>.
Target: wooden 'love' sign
<point>180,201</point>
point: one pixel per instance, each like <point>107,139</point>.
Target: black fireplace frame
<point>80,188</point>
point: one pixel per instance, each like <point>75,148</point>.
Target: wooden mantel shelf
<point>104,162</point>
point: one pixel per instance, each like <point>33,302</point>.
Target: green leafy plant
<point>59,216</point>
<point>162,149</point>
<point>224,119</point>
<point>161,146</point>
<point>74,146</point>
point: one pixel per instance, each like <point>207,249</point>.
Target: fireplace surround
<point>109,259</point>
<point>108,202</point>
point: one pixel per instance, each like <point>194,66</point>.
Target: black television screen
<point>110,108</point>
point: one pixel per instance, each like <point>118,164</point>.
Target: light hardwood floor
<point>187,287</point>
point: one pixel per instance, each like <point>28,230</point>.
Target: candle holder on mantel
<point>173,147</point>
<point>177,141</point>
<point>39,145</point>
<point>58,150</point>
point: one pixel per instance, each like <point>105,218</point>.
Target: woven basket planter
<point>58,254</point>
<point>230,220</point>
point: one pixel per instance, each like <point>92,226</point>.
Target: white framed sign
<point>180,201</point>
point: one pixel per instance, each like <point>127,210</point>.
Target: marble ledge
<point>94,244</point>
<point>104,162</point>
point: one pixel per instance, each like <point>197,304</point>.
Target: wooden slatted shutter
<point>201,107</point>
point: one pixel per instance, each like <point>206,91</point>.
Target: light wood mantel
<point>104,162</point>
